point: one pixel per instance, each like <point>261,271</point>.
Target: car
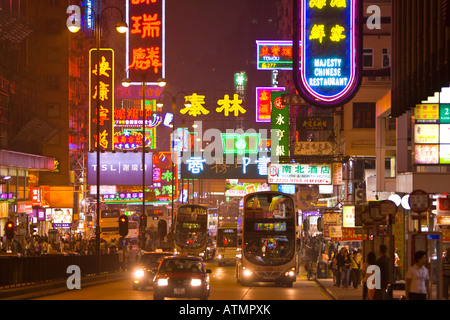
<point>181,277</point>
<point>146,267</point>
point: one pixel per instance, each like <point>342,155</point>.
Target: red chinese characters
<point>146,36</point>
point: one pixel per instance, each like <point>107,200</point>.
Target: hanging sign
<point>330,68</point>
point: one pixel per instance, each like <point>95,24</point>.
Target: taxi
<point>181,277</point>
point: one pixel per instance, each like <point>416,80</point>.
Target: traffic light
<point>123,225</point>
<point>143,223</point>
<point>9,230</point>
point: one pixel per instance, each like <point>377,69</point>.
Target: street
<point>223,287</point>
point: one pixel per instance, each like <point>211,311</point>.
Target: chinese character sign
<point>101,98</point>
<point>290,173</point>
<point>274,55</point>
<point>329,31</point>
<point>263,102</point>
<point>280,127</point>
<point>145,40</point>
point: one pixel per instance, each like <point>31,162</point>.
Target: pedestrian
<point>339,264</point>
<point>368,294</point>
<point>446,273</point>
<point>355,269</point>
<point>417,278</point>
<point>383,264</point>
<point>38,248</point>
<point>345,270</point>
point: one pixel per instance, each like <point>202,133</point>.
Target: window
<point>386,58</point>
<point>364,115</point>
<point>53,82</point>
<point>367,58</point>
<point>53,110</point>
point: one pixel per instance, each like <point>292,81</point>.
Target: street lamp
<point>126,83</point>
<point>160,104</point>
<point>121,27</point>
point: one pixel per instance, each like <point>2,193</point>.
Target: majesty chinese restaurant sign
<point>329,32</point>
<point>101,98</point>
<point>145,41</point>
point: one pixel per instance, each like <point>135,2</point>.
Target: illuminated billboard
<point>145,52</point>
<point>330,35</point>
<point>432,134</point>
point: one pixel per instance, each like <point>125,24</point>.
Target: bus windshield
<point>226,237</point>
<point>191,227</point>
<point>269,229</point>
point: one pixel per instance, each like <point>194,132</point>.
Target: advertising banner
<point>120,168</point>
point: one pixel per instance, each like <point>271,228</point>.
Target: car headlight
<point>163,282</point>
<point>219,256</point>
<point>196,282</point>
<point>139,273</point>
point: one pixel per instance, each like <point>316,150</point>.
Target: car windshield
<point>182,265</point>
<point>151,260</point>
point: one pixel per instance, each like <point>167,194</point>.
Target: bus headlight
<point>196,282</point>
<point>139,273</point>
<point>290,273</point>
<point>163,282</point>
<point>247,273</point>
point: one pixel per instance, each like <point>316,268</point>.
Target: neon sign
<point>263,102</point>
<point>234,143</point>
<point>145,40</point>
<point>101,98</point>
<point>274,55</point>
<point>329,30</point>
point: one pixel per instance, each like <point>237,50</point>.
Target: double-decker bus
<point>226,246</point>
<point>268,239</point>
<point>191,229</point>
<point>109,224</point>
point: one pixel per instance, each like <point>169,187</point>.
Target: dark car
<point>146,267</point>
<point>181,277</point>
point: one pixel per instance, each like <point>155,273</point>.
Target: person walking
<point>339,263</point>
<point>418,278</point>
<point>383,264</point>
<point>368,294</point>
<point>345,270</point>
<point>355,269</point>
<point>446,273</point>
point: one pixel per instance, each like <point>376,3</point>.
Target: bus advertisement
<point>268,239</point>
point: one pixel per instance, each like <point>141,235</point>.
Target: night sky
<point>207,41</point>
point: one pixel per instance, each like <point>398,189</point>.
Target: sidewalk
<point>340,293</point>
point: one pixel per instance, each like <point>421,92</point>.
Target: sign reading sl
<point>330,31</point>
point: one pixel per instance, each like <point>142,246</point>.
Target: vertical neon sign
<point>330,31</point>
<point>103,90</point>
<point>145,51</point>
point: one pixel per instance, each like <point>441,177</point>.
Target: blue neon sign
<point>330,68</point>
